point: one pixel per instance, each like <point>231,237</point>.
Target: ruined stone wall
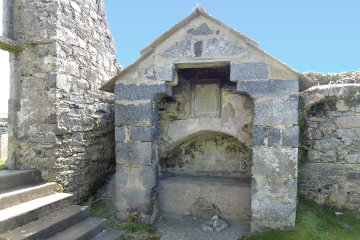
<point>331,145</point>
<point>59,121</point>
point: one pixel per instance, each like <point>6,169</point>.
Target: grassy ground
<point>133,231</point>
<point>315,222</point>
<point>2,164</point>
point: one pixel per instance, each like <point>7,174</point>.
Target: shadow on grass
<point>317,222</point>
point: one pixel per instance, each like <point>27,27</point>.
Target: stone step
<point>49,225</point>
<point>15,178</point>
<point>21,214</point>
<point>84,230</point>
<point>108,234</point>
<point>14,196</point>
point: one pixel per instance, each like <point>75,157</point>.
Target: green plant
<point>316,222</point>
<point>2,164</point>
<point>352,96</point>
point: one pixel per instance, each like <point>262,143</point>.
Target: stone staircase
<point>31,209</point>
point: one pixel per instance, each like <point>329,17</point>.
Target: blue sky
<point>315,35</point>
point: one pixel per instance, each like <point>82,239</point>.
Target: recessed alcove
<point>205,146</point>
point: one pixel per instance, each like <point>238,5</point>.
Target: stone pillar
<point>136,124</point>
<point>275,145</point>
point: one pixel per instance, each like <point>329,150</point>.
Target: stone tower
<point>61,52</point>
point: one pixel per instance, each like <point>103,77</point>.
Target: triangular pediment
<point>200,37</point>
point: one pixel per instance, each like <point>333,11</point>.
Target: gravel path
<point>171,227</point>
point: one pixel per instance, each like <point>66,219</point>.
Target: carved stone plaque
<point>206,99</point>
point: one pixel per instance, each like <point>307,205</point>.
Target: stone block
<point>128,199</point>
<point>355,175</point>
<point>144,134</point>
<point>136,177</point>
<point>259,134</point>
<point>326,144</point>
<point>276,111</point>
<point>348,122</point>
<point>272,87</point>
<point>119,134</point>
<point>282,188</point>
<point>160,72</point>
<point>342,106</point>
<point>314,155</point>
<point>222,47</point>
<point>274,211</point>
<point>141,114</point>
<point>144,91</point>
<point>275,162</point>
<point>290,137</point>
<point>345,133</point>
<point>134,152</point>
<point>273,136</point>
<point>248,71</point>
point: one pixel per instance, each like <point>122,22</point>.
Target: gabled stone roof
<point>304,84</point>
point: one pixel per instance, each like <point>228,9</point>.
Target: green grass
<point>2,164</point>
<point>316,222</point>
<point>103,208</point>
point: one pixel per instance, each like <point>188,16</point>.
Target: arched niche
<point>206,153</point>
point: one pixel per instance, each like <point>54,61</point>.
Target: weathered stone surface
<point>203,29</point>
<point>330,173</point>
<point>342,106</point>
<point>272,87</point>
<point>290,136</point>
<point>274,211</point>
<point>348,122</point>
<point>180,49</point>
<point>345,133</point>
<point>276,162</point>
<point>136,177</point>
<point>276,111</point>
<point>160,72</point>
<point>64,125</point>
<point>134,92</point>
<point>119,134</point>
<point>134,153</point>
<point>143,134</point>
<point>133,200</point>
<point>198,48</point>
<point>265,187</point>
<point>141,114</point>
<point>180,195</point>
<point>273,136</point>
<point>222,47</point>
<point>248,71</point>
<point>259,134</point>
